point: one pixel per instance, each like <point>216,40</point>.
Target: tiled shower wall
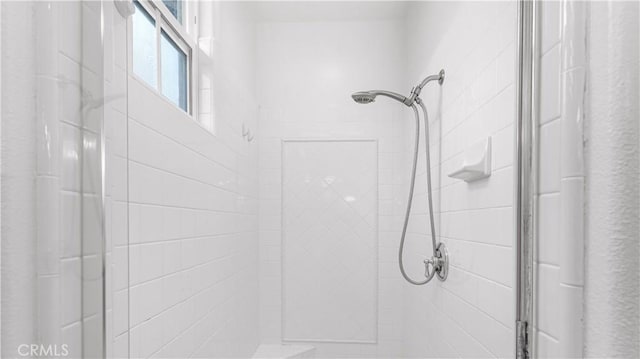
<point>560,269</point>
<point>63,38</point>
<point>116,203</point>
<point>472,313</point>
<point>192,216</point>
<point>549,223</point>
<point>329,217</point>
<point>69,76</point>
<point>306,74</point>
<point>193,225</point>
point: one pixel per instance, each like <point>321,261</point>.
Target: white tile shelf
<point>476,164</point>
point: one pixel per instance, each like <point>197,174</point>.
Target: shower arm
<point>391,95</point>
<point>415,92</point>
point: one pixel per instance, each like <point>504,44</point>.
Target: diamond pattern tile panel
<point>329,249</point>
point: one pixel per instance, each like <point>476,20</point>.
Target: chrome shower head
<point>363,97</point>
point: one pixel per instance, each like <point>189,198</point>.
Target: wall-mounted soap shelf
<point>476,163</point>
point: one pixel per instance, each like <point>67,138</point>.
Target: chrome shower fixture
<point>366,97</point>
<point>438,264</point>
<point>415,92</point>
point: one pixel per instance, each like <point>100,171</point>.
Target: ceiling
<point>294,11</point>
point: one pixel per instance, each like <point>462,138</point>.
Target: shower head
<point>365,97</point>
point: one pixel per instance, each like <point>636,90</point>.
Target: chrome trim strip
<point>103,189</point>
<point>526,84</point>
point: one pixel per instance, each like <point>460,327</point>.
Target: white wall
<point>193,249</point>
<point>612,313</point>
<point>306,74</point>
<point>472,313</point>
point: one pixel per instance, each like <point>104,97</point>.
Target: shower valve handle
<point>440,263</point>
<point>434,263</point>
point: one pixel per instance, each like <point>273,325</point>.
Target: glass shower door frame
<point>526,149</point>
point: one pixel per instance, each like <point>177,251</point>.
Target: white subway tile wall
<point>561,181</point>
<point>472,313</point>
<point>549,230</point>
<point>192,286</point>
<point>116,197</point>
<point>69,281</point>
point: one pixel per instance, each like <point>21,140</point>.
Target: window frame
<point>183,36</point>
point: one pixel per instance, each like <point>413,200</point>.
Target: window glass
<point>145,53</point>
<point>175,7</point>
<point>174,72</point>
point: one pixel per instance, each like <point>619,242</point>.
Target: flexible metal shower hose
<point>429,274</point>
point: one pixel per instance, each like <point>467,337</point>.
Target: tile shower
<point>261,217</point>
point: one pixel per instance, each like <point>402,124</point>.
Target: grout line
<point>554,44</point>
<point>548,194</point>
<point>540,331</point>
<point>549,122</point>
<point>133,285</point>
<point>503,246</point>
<point>157,205</point>
<point>453,211</point>
<point>574,286</point>
<point>183,176</point>
<point>572,177</point>
<point>481,277</point>
<point>182,239</point>
<point>550,265</point>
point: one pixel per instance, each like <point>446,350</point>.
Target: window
<point>145,52</point>
<point>174,71</point>
<point>162,53</point>
<point>175,8</point>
